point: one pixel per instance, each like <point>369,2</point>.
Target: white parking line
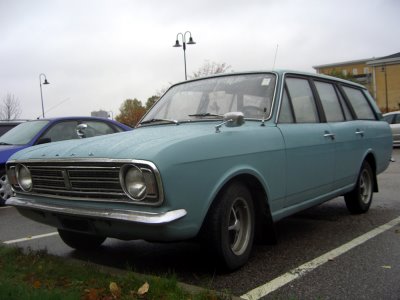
<point>298,272</point>
<point>31,238</point>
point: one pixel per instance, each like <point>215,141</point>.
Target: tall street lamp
<point>190,42</point>
<point>41,94</point>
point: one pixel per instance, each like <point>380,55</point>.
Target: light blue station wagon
<point>219,159</point>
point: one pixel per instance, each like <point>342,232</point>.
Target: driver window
<point>62,131</point>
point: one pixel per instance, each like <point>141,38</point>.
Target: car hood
<point>184,142</point>
<point>7,150</point>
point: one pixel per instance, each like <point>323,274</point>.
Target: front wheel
<point>81,241</point>
<point>5,189</point>
<point>359,199</point>
<point>229,226</point>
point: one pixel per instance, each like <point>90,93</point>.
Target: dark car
<point>43,131</point>
<point>6,125</point>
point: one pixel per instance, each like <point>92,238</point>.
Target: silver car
<point>393,118</point>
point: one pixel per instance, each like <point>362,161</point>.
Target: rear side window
<point>330,101</point>
<point>360,104</point>
<point>302,99</point>
<point>389,118</point>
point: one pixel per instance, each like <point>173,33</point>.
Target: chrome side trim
<point>109,214</point>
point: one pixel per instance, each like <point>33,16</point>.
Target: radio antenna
<point>276,53</point>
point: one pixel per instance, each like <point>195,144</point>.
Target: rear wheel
<point>359,199</point>
<point>229,227</point>
<point>81,241</point>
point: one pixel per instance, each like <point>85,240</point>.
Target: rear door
<point>347,131</point>
<point>309,143</point>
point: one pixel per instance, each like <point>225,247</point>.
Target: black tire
<point>359,199</point>
<point>5,189</point>
<point>229,226</point>
<point>81,241</point>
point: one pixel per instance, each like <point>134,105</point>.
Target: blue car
<point>43,131</point>
<point>217,159</point>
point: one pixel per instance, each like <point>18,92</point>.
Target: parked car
<point>393,118</point>
<point>6,125</point>
<point>219,159</point>
<point>42,131</point>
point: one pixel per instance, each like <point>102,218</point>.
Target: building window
<point>344,72</point>
<point>355,71</point>
<point>366,70</point>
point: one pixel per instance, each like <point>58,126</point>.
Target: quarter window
<point>95,128</point>
<point>286,114</point>
<point>360,104</point>
<point>330,101</point>
<point>304,107</point>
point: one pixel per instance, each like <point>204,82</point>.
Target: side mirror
<point>80,130</point>
<point>43,141</point>
<point>231,119</point>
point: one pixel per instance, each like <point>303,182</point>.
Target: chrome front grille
<point>97,182</point>
<point>86,179</point>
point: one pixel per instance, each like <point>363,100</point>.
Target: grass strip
<point>27,274</point>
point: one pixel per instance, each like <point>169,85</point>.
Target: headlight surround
<point>133,182</point>
<point>24,177</point>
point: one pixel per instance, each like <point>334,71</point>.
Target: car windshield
<point>23,133</point>
<point>210,98</point>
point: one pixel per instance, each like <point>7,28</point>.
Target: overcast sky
<point>97,53</point>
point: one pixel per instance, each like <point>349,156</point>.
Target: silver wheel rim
<point>5,188</point>
<point>239,227</point>
<point>365,186</point>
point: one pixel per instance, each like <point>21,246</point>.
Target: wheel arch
<point>371,160</point>
<point>264,226</point>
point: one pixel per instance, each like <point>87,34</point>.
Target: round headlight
<point>24,178</point>
<point>134,183</point>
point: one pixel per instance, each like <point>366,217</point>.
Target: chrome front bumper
<point>109,214</point>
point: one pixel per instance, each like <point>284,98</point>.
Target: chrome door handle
<point>331,135</point>
<point>360,132</point>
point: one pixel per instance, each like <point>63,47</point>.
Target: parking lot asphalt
<point>369,270</point>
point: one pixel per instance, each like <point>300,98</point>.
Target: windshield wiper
<point>160,120</point>
<point>206,115</point>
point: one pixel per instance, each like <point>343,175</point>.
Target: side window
<point>397,119</point>
<point>62,131</point>
<point>95,128</point>
<point>304,107</point>
<point>345,107</point>
<point>389,118</point>
<point>360,104</point>
<point>330,101</point>
<point>286,114</point>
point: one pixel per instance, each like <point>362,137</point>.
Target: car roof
<point>280,72</point>
<point>56,119</point>
<point>392,113</point>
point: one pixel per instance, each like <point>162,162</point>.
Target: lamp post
<point>41,93</point>
<point>190,42</point>
<point>386,88</point>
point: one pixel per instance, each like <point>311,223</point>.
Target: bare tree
<point>210,68</point>
<point>10,108</point>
